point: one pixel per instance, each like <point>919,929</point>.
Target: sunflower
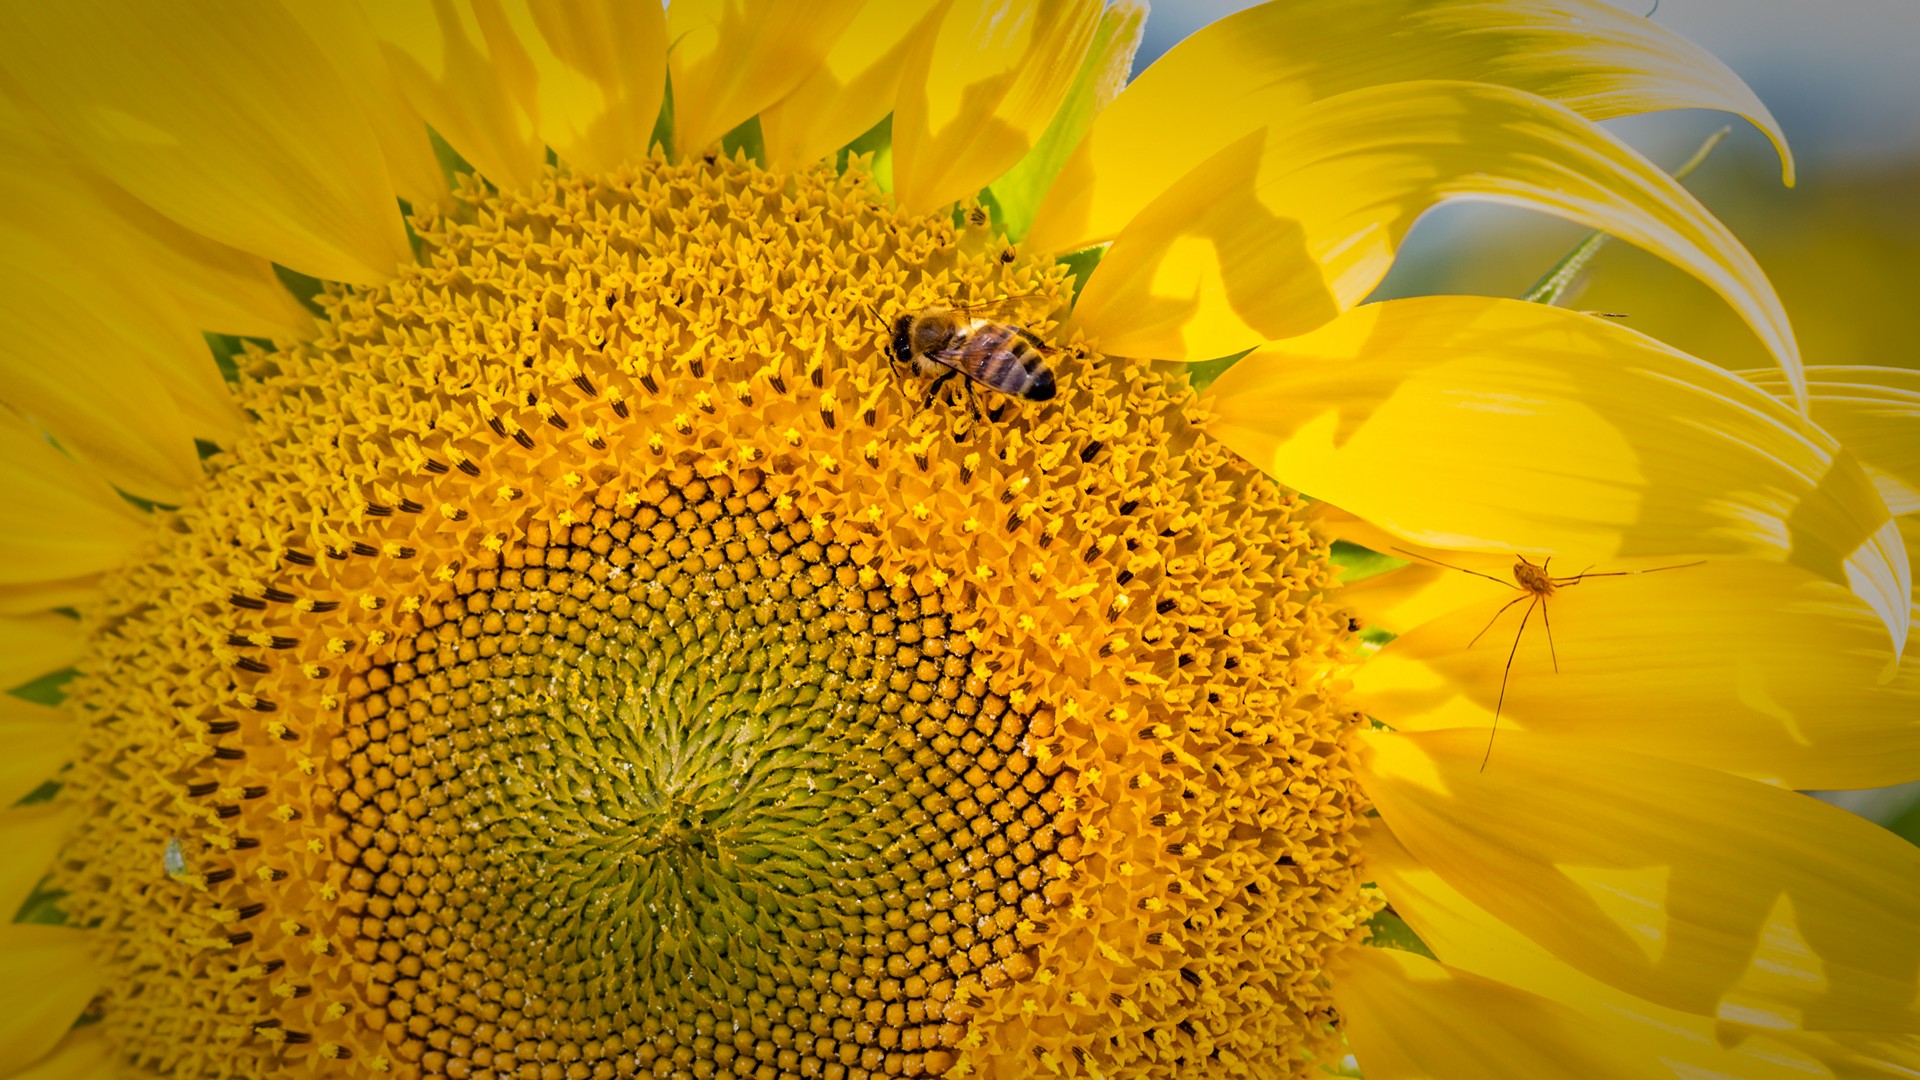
<point>495,591</point>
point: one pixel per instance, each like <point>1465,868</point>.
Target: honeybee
<point>973,340</point>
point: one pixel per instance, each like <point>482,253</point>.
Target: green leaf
<point>1390,931</point>
<point>878,141</point>
<point>1360,562</point>
<point>746,137</point>
<point>48,689</point>
<point>43,906</point>
<point>449,159</point>
<point>1907,824</point>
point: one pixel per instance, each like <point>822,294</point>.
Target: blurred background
<point>1841,246</point>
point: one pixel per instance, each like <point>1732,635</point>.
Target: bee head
<point>903,338</point>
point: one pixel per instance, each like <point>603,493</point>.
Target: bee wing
<point>1019,309</point>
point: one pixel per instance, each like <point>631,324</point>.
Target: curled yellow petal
<point>1875,413</point>
<point>731,58</point>
<point>1755,668</point>
<point>850,90</point>
<point>1703,892</point>
<point>47,975</point>
<point>1257,67</point>
<point>1409,1018</point>
<point>1282,230</point>
<point>205,112</point>
<point>39,741</point>
<point>1502,426</point>
<point>980,91</point>
<point>1462,935</point>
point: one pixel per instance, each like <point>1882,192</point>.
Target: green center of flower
<point>683,775</point>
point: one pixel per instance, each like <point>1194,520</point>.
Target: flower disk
<point>598,659</point>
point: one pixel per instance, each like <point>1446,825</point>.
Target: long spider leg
<point>1575,579</point>
<point>1450,566</point>
<point>1496,618</point>
<point>1501,702</point>
<point>1549,621</point>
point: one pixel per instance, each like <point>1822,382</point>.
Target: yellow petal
<point>221,289</point>
<point>85,1054</point>
<point>1463,936</point>
<point>1408,1018</point>
<point>1282,230</point>
<point>33,645</point>
<point>978,93</point>
<point>1502,426</point>
<point>454,76</point>
<point>32,835</point>
<point>1257,67</point>
<point>123,313</point>
<point>57,519</point>
<point>344,33</point>
<point>1910,534</point>
<point>223,117</point>
<point>95,374</point>
<point>46,190</point>
<point>47,595</point>
<point>1103,74</point>
<point>1690,888</point>
<point>1875,413</point>
<point>1399,599</point>
<point>1749,667</point>
<point>70,229</point>
<point>39,742</point>
<point>592,75</point>
<point>850,90</point>
<point>47,976</point>
<point>731,58</point>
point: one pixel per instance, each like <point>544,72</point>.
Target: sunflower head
<point>739,582</point>
<point>635,664</point>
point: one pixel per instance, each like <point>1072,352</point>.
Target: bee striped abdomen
<point>1003,356</point>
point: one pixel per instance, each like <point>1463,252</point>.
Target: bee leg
<point>974,408</point>
<point>933,392</point>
